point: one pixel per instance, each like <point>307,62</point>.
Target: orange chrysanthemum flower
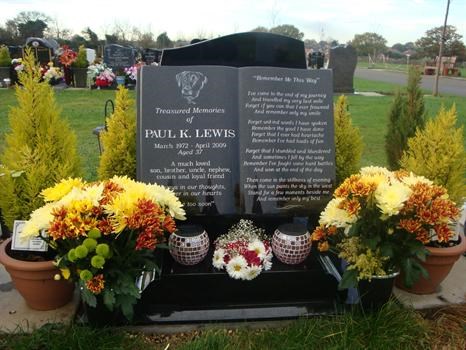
<point>96,284</point>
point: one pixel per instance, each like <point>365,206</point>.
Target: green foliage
<point>369,44</point>
<point>40,148</point>
<point>163,41</point>
<point>5,58</point>
<point>394,136</point>
<point>406,114</point>
<point>288,30</point>
<point>119,141</point>
<point>429,44</point>
<point>438,153</point>
<point>348,142</point>
<point>81,59</point>
<point>283,29</point>
<point>57,336</point>
<point>391,327</point>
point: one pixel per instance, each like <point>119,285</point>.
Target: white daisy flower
<point>267,263</point>
<point>252,272</point>
<point>218,261</point>
<point>236,267</point>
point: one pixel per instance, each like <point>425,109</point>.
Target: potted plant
<point>104,235</point>
<point>5,63</point>
<point>80,68</point>
<point>380,222</point>
<point>35,278</point>
<point>243,252</point>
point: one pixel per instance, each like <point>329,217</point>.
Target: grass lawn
<point>400,67</point>
<point>393,327</point>
<point>84,110</point>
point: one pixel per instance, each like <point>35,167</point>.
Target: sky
<point>396,20</point>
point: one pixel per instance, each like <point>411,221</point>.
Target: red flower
<point>252,258</point>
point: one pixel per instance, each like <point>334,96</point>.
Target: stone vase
<point>35,281</point>
<point>80,77</point>
<point>438,265</point>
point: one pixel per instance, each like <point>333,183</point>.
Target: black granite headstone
<point>118,56</point>
<point>254,142</point>
<point>239,50</point>
<point>343,60</point>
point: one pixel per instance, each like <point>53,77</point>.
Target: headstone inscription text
<point>253,140</point>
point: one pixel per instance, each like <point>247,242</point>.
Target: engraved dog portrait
<point>191,84</point>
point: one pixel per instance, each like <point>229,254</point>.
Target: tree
<point>348,142</point>
<point>369,44</point>
<point>9,34</point>
<point>91,37</point>
<point>407,114</point>
<point>40,148</point>
<point>119,140</point>
<point>437,152</point>
<point>163,41</point>
<point>288,30</point>
<point>31,24</point>
<point>429,44</point>
<point>260,29</point>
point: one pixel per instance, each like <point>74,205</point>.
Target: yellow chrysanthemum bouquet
<point>380,221</point>
<point>104,234</point>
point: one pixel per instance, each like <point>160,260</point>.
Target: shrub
<point>5,58</point>
<point>437,152</point>
<point>348,142</point>
<point>405,116</point>
<point>40,148</point>
<point>81,59</point>
<point>119,141</point>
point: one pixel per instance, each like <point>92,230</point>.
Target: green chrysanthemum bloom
<point>94,233</point>
<point>81,251</point>
<point>72,255</point>
<point>90,244</point>
<point>97,261</point>
<point>85,275</point>
<point>103,250</point>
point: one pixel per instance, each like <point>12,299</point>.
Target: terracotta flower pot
<point>438,264</point>
<point>34,280</point>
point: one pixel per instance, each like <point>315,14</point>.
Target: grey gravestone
<point>275,125</point>
<point>117,56</point>
<point>151,55</point>
<point>343,60</point>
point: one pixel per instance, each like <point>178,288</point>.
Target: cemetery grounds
<point>84,110</point>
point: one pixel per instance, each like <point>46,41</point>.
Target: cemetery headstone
<point>44,49</point>
<point>239,50</point>
<point>118,56</point>
<point>151,56</point>
<point>90,55</point>
<point>343,60</point>
<point>238,141</point>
